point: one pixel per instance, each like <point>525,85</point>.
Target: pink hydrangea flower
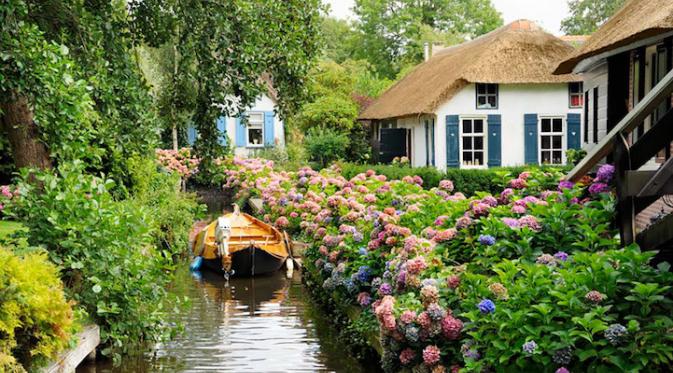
<point>431,355</point>
<point>407,356</point>
<point>446,185</point>
<point>451,327</point>
<point>408,316</point>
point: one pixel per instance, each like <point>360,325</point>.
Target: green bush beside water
<point>116,257</point>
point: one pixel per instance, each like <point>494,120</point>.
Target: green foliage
<point>74,64</point>
<point>172,211</point>
<point>338,93</point>
<point>111,261</point>
<point>36,321</point>
<point>391,34</point>
<point>325,145</point>
<point>225,48</point>
<point>588,15</point>
<point>575,155</point>
<point>547,304</point>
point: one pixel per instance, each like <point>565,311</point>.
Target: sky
<point>546,13</point>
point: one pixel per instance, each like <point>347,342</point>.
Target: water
<point>262,324</point>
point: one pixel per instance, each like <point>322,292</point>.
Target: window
<point>473,143</point>
<point>551,140</point>
<point>595,113</point>
<point>255,129</point>
<point>575,91</point>
<point>487,96</point>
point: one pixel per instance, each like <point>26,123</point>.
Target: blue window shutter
<point>494,141</point>
<point>530,142</point>
<point>222,128</point>
<point>191,135</point>
<point>452,141</point>
<point>574,131</point>
<point>240,132</point>
<point>427,143</point>
<point>269,137</point>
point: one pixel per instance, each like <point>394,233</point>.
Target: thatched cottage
<point>492,101</point>
<point>626,65</point>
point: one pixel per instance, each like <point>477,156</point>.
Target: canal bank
<point>262,324</point>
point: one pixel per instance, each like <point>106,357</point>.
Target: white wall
<point>264,103</point>
<point>514,100</point>
<point>597,76</point>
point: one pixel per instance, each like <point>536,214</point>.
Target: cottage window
<point>255,129</point>
<point>551,140</point>
<point>473,142</point>
<point>576,93</point>
<point>487,96</point>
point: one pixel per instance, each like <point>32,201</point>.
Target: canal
<point>263,324</point>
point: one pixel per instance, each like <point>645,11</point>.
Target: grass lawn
<point>8,227</point>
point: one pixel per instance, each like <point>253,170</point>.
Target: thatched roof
<point>637,20</point>
<point>518,53</point>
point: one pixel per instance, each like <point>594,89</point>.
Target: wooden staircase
<point>639,189</point>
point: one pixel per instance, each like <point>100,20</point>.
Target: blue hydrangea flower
<point>363,251</point>
<point>529,347</point>
<point>486,306</point>
<point>615,334</point>
<point>350,286</point>
<point>487,240</point>
<point>328,268</point>
<point>363,274</point>
<point>429,282</point>
<point>411,333</point>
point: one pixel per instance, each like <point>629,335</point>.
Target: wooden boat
<point>241,245</point>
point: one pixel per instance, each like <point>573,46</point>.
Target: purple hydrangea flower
<point>529,347</point>
<point>487,240</point>
<point>561,256</point>
<point>385,289</point>
<point>605,173</point>
<point>562,370</point>
<point>597,188</point>
<point>486,306</point>
<point>565,184</point>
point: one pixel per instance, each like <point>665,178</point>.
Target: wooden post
<point>625,208</point>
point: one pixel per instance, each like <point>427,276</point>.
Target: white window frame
<point>487,95</point>
<point>247,130</point>
<point>540,134</point>
<point>484,118</point>
<point>580,94</point>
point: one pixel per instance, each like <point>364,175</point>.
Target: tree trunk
<point>23,134</point>
<point>175,137</point>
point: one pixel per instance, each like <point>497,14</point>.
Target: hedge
<point>468,181</point>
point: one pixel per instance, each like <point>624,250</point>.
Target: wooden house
<point>627,67</point>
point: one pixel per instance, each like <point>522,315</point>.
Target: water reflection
<point>262,324</point>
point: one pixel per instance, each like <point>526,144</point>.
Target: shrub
<point>325,145</point>
<point>106,250</point>
<point>172,212</point>
<point>36,321</point>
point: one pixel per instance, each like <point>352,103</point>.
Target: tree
<point>588,15</point>
<point>224,49</point>
<point>391,33</point>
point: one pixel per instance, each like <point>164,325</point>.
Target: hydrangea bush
<point>529,278</point>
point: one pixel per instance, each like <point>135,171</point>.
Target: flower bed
<point>529,278</point>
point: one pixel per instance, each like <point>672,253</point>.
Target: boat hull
<point>251,261</point>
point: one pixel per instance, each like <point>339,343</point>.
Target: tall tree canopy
<point>71,88</point>
<point>224,48</point>
<point>587,15</point>
<point>392,32</point>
